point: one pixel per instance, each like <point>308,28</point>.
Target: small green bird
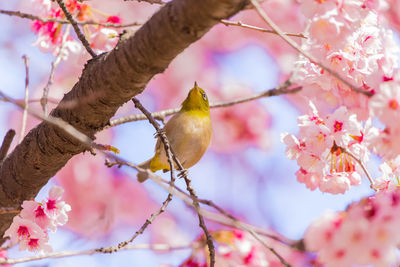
<point>189,133</point>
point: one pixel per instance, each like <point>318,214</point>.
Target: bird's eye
<point>204,96</point>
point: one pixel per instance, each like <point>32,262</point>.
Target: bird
<point>189,133</point>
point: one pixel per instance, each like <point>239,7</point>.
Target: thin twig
<point>64,254</point>
<point>190,189</point>
<point>159,2</point>
<point>76,28</point>
<point>269,93</point>
<point>293,44</point>
<point>160,115</point>
<point>247,26</point>
<point>68,128</point>
<point>220,218</point>
<point>5,146</point>
<point>230,216</point>
<point>260,231</point>
<point>25,114</point>
<point>160,133</point>
<point>166,201</point>
<point>362,166</point>
<point>52,100</point>
<point>65,21</point>
<point>124,244</point>
<point>202,224</point>
<point>54,64</point>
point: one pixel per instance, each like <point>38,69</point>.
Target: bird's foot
<point>183,173</point>
<point>159,133</point>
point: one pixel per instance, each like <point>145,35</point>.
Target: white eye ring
<point>204,96</point>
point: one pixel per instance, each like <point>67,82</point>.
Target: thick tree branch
<point>107,82</point>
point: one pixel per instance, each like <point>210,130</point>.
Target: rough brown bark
<point>106,83</point>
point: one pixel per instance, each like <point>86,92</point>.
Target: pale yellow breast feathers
<point>190,135</point>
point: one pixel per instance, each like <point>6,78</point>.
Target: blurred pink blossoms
<point>30,228</point>
<point>238,248</point>
<point>365,234</point>
<point>56,37</point>
<point>386,106</point>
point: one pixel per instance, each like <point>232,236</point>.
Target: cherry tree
<point>103,76</point>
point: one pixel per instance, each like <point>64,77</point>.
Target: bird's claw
<point>159,133</point>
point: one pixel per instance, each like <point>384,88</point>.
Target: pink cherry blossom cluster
<point>238,248</point>
<point>53,36</point>
<point>346,36</point>
<point>30,228</point>
<point>326,147</point>
<point>365,234</point>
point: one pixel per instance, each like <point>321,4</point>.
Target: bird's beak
<point>196,88</point>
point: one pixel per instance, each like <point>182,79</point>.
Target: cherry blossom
<point>28,234</point>
<point>35,243</point>
<point>104,40</point>
<point>22,229</point>
<point>29,228</point>
<point>56,209</point>
<point>34,211</point>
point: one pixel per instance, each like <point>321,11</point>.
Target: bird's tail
<point>142,176</point>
